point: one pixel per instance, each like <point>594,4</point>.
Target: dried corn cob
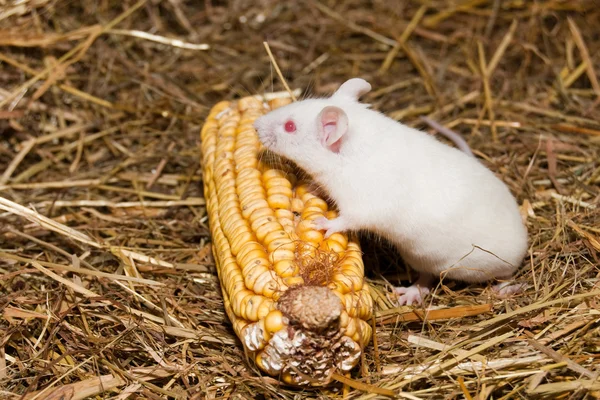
<point>298,302</point>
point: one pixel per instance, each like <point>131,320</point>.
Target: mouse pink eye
<point>290,126</point>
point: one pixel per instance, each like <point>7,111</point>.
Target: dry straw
<point>107,282</point>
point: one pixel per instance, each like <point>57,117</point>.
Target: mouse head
<point>312,130</point>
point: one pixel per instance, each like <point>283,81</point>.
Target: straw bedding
<point>108,287</point>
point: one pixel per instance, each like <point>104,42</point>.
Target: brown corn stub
<point>298,302</point>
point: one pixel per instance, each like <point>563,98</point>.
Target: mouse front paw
<point>330,226</point>
<point>411,295</point>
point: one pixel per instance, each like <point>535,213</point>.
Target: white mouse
<point>448,215</point>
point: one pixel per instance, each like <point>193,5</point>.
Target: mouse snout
<point>259,126</point>
<point>265,135</point>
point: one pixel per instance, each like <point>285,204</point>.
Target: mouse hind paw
<point>411,295</point>
<point>507,289</point>
<point>415,293</point>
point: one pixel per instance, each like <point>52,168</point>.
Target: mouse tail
<point>450,134</point>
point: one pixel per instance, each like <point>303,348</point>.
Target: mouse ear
<point>353,88</point>
<point>333,125</point>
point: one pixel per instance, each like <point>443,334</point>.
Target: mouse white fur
<point>448,215</point>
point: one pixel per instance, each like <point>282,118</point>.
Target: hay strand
<point>107,283</point>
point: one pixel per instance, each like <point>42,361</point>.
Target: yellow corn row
<point>298,302</point>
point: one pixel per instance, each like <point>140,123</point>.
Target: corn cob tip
<point>313,307</point>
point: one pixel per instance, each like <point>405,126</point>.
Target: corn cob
<point>298,302</point>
